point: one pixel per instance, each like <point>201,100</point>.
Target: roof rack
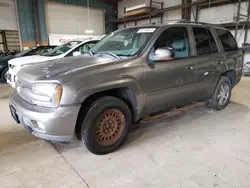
<point>180,21</point>
<point>184,21</point>
<point>202,23</point>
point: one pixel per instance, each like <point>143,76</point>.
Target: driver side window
<point>83,48</point>
<point>176,40</point>
<point>86,47</point>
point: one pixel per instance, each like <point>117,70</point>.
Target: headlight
<point>46,94</point>
<point>12,66</point>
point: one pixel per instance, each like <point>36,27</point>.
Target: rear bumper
<point>54,124</point>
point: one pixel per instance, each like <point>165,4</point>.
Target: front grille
<point>25,94</point>
<point>24,84</point>
<point>24,89</point>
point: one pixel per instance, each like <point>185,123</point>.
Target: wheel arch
<point>2,69</point>
<point>231,74</point>
<point>124,93</point>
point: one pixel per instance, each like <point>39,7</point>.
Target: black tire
<point>214,102</point>
<point>3,78</point>
<point>89,126</point>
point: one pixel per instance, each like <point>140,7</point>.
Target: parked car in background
<point>72,48</point>
<point>9,52</point>
<point>246,69</point>
<point>37,50</point>
<point>131,73</point>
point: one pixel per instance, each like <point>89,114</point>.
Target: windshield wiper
<point>128,55</point>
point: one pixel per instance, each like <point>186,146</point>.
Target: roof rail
<point>202,23</point>
<point>184,21</point>
<point>165,21</point>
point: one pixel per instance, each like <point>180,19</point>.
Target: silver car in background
<point>246,69</point>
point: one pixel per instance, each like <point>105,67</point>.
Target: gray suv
<point>131,73</point>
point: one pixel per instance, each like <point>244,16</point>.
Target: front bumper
<point>9,80</point>
<point>58,124</point>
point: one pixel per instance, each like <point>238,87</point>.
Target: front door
<point>171,82</point>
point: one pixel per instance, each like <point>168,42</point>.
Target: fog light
<point>41,125</point>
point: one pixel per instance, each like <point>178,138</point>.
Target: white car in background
<point>72,48</point>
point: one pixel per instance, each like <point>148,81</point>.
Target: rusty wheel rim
<point>109,127</point>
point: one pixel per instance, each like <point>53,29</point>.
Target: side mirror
<point>77,53</point>
<point>161,54</point>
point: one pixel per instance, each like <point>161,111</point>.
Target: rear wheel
<point>106,125</point>
<point>222,94</point>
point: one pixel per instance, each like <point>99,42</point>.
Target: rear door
<point>233,56</point>
<point>208,56</point>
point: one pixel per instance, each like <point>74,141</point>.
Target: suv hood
<point>53,70</point>
<point>31,59</point>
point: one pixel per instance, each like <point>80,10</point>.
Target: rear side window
<point>205,42</point>
<point>227,40</point>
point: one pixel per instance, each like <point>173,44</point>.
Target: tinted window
<point>205,42</point>
<point>175,38</point>
<point>227,40</point>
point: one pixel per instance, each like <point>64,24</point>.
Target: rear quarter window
<point>227,40</point>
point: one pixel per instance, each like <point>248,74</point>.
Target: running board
<point>172,112</point>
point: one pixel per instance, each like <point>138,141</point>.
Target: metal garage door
<point>71,19</point>
<point>12,39</point>
<point>9,38</point>
<point>8,19</point>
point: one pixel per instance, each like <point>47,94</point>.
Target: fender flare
<point>133,90</point>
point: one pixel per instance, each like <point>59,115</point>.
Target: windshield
<point>126,42</point>
<point>62,48</point>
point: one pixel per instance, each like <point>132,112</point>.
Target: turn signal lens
<point>58,93</point>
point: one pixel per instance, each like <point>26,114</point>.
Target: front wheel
<point>106,125</point>
<point>222,94</point>
<point>4,75</point>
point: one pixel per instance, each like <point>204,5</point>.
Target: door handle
<point>189,68</point>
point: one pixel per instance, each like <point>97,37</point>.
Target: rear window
<point>227,40</point>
